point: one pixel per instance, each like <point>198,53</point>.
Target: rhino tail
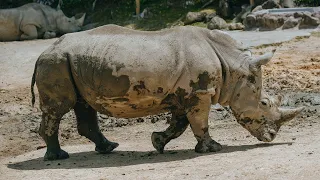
<point>33,81</point>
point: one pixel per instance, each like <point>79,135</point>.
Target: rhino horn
<point>81,20</point>
<point>288,114</point>
<point>263,59</point>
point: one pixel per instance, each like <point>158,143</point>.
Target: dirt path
<point>295,153</point>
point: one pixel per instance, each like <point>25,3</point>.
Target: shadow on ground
<point>123,158</point>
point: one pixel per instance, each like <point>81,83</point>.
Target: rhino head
<point>68,25</point>
<point>257,112</point>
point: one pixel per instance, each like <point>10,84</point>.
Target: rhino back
<point>9,24</point>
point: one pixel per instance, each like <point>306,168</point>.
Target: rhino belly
<point>127,107</point>
<point>120,97</point>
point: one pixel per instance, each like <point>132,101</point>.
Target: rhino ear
<point>262,60</point>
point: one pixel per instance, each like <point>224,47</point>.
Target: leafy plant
<point>308,2</point>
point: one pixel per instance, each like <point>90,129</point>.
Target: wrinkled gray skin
<point>127,73</point>
<point>33,21</point>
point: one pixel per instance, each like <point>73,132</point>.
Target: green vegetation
<point>122,12</point>
<point>307,2</point>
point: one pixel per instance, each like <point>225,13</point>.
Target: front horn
<point>81,20</point>
<point>288,114</point>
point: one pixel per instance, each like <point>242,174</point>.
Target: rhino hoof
<point>212,146</point>
<point>158,141</point>
<point>110,146</point>
<point>50,156</point>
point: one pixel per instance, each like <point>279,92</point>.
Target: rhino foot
<point>52,155</point>
<point>208,146</point>
<point>158,141</point>
<point>106,147</point>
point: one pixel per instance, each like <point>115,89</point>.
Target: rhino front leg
<point>88,126</point>
<point>198,118</point>
<point>29,32</point>
<point>48,35</point>
<point>178,125</point>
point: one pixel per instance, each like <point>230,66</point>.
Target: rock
<point>193,17</point>
<point>217,23</point>
<point>270,22</point>
<point>287,3</point>
<point>250,21</point>
<point>308,21</point>
<point>224,8</point>
<point>270,4</point>
<point>209,17</point>
<point>235,26</point>
<point>316,14</point>
<point>298,14</point>
<point>258,8</point>
<point>291,22</point>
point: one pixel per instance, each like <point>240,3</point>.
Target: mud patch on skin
<point>251,79</point>
<point>160,90</point>
<point>179,100</point>
<point>89,72</point>
<point>121,99</point>
<point>203,81</point>
<point>140,88</point>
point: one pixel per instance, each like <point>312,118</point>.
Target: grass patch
<point>315,33</point>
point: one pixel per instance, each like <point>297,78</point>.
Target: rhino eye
<point>264,102</point>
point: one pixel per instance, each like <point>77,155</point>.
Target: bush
<point>307,2</point>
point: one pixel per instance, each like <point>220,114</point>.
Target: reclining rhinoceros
<point>128,73</point>
<point>33,21</point>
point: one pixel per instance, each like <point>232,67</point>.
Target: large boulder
<point>308,21</point>
<point>250,21</point>
<point>217,23</point>
<point>270,22</point>
<point>193,17</point>
<point>209,17</point>
<point>298,14</point>
<point>291,22</point>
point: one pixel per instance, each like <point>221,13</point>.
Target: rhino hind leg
<point>29,32</point>
<point>87,124</point>
<point>198,117</point>
<point>49,132</point>
<point>178,125</point>
<point>57,96</point>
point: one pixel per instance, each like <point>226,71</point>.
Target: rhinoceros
<point>33,20</point>
<point>128,73</point>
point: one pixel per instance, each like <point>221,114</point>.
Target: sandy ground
<point>294,154</point>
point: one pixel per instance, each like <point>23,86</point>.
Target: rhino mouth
<point>267,137</point>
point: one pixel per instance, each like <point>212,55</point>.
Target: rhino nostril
<point>272,135</point>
